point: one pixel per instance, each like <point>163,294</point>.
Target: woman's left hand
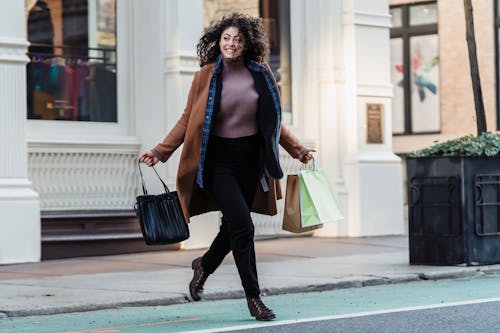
<point>306,155</point>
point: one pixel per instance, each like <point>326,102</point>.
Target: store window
<point>71,74</point>
<point>276,18</point>
<point>415,69</point>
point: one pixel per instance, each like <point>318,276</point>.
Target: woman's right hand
<point>149,158</point>
<point>306,155</point>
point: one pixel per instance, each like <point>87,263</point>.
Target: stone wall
<point>457,100</point>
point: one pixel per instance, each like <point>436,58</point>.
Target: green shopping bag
<point>318,203</point>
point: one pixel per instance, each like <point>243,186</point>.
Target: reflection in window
<point>72,70</point>
<point>415,70</point>
<point>424,83</point>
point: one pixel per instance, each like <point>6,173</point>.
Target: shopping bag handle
<point>304,165</point>
<point>144,191</point>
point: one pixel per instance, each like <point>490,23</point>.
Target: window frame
<point>280,9</point>
<point>406,32</point>
<point>62,131</point>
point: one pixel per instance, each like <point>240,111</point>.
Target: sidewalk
<point>285,265</point>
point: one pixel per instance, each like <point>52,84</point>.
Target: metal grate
<point>487,205</point>
<point>434,206</point>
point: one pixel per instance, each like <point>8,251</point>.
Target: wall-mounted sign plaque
<point>374,133</point>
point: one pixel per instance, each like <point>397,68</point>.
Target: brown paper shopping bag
<point>291,213</point>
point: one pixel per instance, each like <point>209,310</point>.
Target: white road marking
<point>344,316</point>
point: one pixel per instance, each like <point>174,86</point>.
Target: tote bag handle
<point>144,190</point>
<point>305,167</point>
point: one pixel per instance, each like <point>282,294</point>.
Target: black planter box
<point>454,210</point>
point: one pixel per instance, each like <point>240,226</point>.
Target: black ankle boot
<point>199,278</point>
<point>259,310</point>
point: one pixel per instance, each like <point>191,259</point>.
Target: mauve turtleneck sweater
<point>237,115</point>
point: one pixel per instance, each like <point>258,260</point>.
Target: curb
<point>452,273</point>
<point>402,278</point>
<point>493,269</point>
<point>91,307</point>
<point>341,283</point>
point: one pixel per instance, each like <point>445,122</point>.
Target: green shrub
<point>487,144</point>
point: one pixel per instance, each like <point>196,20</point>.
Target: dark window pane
<point>276,18</point>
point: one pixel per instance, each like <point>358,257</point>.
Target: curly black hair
<point>252,29</point>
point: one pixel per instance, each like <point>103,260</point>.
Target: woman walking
<point>230,129</point>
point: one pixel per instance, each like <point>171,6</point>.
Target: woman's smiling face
<point>231,43</point>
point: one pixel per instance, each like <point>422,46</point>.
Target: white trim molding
<point>368,19</point>
<point>13,50</point>
<point>374,90</point>
<point>115,144</point>
<point>84,175</point>
<point>181,63</point>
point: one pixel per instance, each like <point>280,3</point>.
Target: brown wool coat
<point>188,130</point>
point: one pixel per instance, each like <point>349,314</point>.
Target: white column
<point>183,30</point>
<point>165,34</point>
<point>331,96</point>
<point>317,89</point>
<point>19,206</point>
<point>372,172</point>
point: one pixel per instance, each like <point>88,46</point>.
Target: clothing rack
<point>76,86</point>
<point>105,59</point>
<point>73,47</point>
<point>51,55</point>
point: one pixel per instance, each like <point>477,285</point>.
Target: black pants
<point>231,176</point>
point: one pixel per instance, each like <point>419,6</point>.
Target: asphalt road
<point>479,317</point>
<point>460,305</point>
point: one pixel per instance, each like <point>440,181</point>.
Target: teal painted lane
<point>231,313</point>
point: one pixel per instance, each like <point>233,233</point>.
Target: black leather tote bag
<point>160,216</point>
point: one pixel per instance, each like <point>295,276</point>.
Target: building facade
<point>433,99</point>
<point>107,79</point>
<point>436,102</point>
